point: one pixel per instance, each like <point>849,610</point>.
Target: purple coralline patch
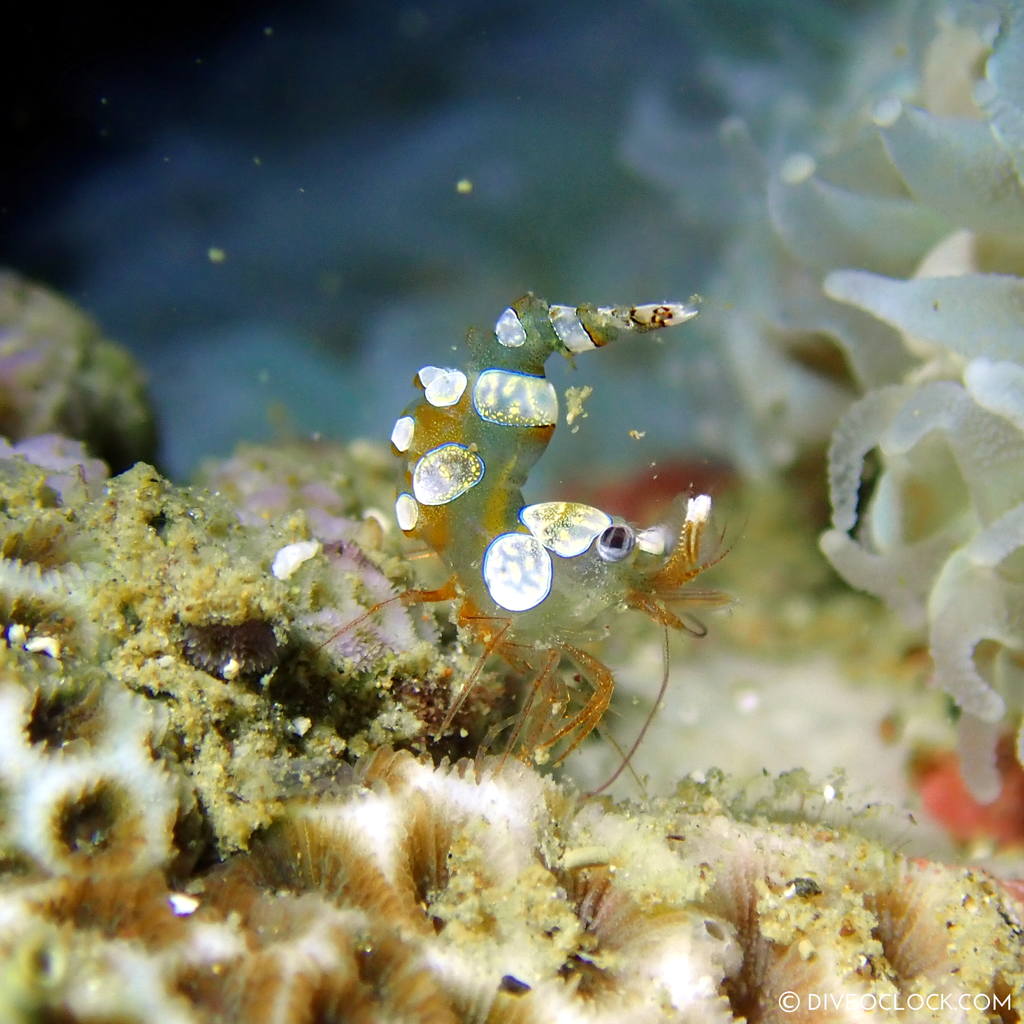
<point>74,475</point>
<point>347,629</point>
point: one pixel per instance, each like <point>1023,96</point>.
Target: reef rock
<point>485,892</point>
<point>58,374</point>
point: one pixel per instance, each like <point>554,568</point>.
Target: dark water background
<point>320,147</point>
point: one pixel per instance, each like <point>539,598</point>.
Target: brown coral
<point>228,651</point>
<point>486,893</point>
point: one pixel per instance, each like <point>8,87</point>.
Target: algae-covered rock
<point>237,638</point>
<point>58,374</point>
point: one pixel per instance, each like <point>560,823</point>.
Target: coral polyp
<point>247,649</point>
<point>939,533</point>
<point>488,893</point>
<point>95,803</point>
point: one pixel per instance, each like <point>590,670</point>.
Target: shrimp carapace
<point>531,579</point>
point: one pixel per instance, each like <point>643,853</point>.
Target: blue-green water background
<point>320,146</point>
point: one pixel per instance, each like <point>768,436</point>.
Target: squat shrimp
<point>531,580</point>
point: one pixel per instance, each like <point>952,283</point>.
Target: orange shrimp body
<point>531,580</point>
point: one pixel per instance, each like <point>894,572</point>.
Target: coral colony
<point>246,769</point>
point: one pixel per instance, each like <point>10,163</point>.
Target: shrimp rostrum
<point>532,580</point>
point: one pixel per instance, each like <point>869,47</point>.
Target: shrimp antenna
<point>632,771</point>
<point>625,762</point>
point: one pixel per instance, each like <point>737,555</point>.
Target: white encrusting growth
<point>566,527</point>
<point>182,904</point>
<point>442,386</point>
<point>446,472</point>
<point>515,399</point>
<point>48,645</point>
<point>291,556</point>
<point>517,571</point>
<point>509,330</point>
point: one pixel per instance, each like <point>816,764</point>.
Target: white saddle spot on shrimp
<point>509,330</point>
<point>442,386</point>
<point>517,571</point>
<point>407,512</point>
<point>566,527</point>
<point>571,333</point>
<point>446,472</point>
<point>401,434</point>
<point>515,399</point>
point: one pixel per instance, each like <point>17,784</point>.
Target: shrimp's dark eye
<point>615,543</point>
